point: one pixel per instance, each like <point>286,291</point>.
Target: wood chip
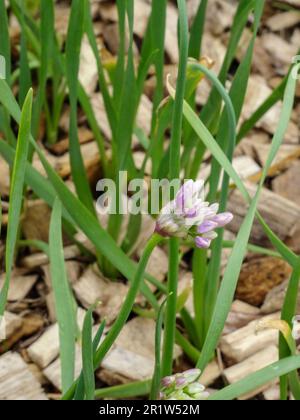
<point>132,356</point>
<point>92,287</point>
<point>62,146</point>
<point>251,365</point>
<point>9,324</point>
<point>285,156</point>
<point>286,184</point>
<point>275,299</point>
<point>280,214</point>
<point>4,179</point>
<point>31,324</point>
<point>243,343</point>
<point>39,259</point>
<point>259,276</point>
<point>20,286</point>
<point>257,92</point>
<point>272,393</point>
<point>171,43</point>
<point>219,17</point>
<point>88,72</point>
<point>283,53</point>
<point>158,264</point>
<point>46,348</point>
<point>283,20</point>
<point>241,314</point>
<point>16,380</point>
<point>36,220</point>
<point>210,374</point>
<point>53,371</point>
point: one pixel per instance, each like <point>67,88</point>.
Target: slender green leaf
<point>257,379</point>
<point>132,390</point>
<point>73,45</point>
<point>16,195</point>
<point>88,356</point>
<point>157,369</point>
<point>63,299</point>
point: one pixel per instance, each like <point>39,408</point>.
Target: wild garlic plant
<point>180,138</point>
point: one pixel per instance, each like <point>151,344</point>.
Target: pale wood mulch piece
<point>280,214</point>
<point>241,314</point>
<point>93,287</point>
<point>285,184</point>
<point>20,285</point>
<point>244,342</point>
<point>275,299</point>
<point>251,365</point>
<point>16,380</point>
<point>46,348</point>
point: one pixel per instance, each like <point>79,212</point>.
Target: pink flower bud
<point>202,243</point>
<point>223,219</point>
<point>207,226</point>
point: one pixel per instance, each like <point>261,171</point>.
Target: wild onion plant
<point>51,67</point>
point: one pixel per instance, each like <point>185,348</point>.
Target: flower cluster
<point>183,386</point>
<point>189,215</point>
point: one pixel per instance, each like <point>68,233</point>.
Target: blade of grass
<point>46,40</point>
<point>287,314</point>
<point>210,113</point>
<point>73,46</point>
<point>63,299</point>
<point>88,356</point>
<point>16,195</point>
<point>109,107</point>
<point>25,76</point>
<point>157,369</point>
<point>158,29</point>
<point>5,49</point>
<point>119,392</point>
<point>257,379</point>
<point>80,387</point>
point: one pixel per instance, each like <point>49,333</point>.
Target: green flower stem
<point>171,311</point>
<point>174,173</point>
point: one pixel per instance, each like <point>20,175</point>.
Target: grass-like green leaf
<point>81,383</point>
<point>16,195</point>
<point>257,379</point>
<point>134,389</point>
<point>73,45</point>
<point>157,369</point>
<point>5,49</point>
<point>287,314</point>
<point>64,304</point>
<point>88,356</point>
